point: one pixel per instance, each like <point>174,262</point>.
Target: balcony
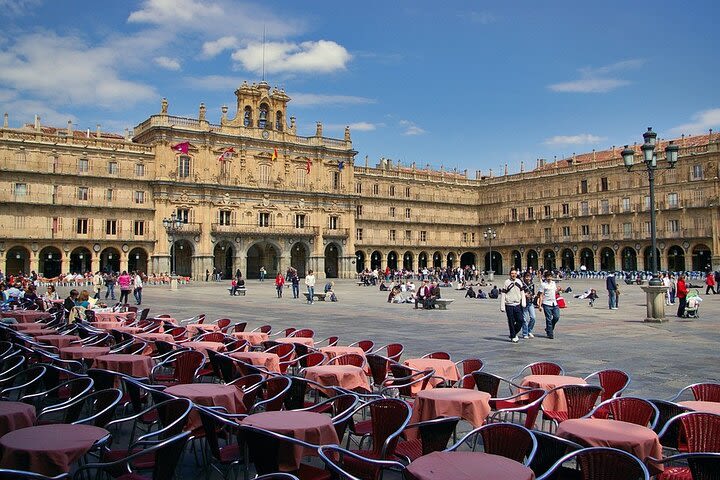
<point>255,229</point>
<point>336,233</point>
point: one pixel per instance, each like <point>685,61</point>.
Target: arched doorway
<point>223,259</point>
<point>80,260</point>
<point>497,262</point>
<point>607,259</point>
<point>375,260</point>
<point>332,263</point>
<point>262,255</point>
<point>137,260</point>
<point>450,260</point>
<point>181,255</point>
<point>467,259</point>
<point>50,262</point>
<point>532,259</point>
<point>17,261</point>
<point>423,260</point>
<point>392,260</point>
<point>516,259</point>
<point>408,258</point>
<point>567,259</point>
<point>629,259</point>
<point>701,258</point>
<point>359,261</point>
<point>110,260</point>
<point>299,255</point>
<point>437,260</point>
<point>647,261</point>
<point>676,259</point>
<point>549,260</point>
<point>587,258</point>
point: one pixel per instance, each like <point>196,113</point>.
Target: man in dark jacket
<point>611,286</point>
<point>70,302</point>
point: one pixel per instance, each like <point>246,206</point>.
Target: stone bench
<point>238,291</point>
<point>443,303</point>
<point>320,296</point>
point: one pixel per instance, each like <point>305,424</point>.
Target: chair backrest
<point>212,337</point>
<point>505,439</point>
<point>702,466</point>
<point>101,403</point>
<point>550,449</point>
<point>265,328</point>
<point>354,359</point>
<point>706,392</point>
<point>178,333</point>
<point>223,322</point>
<point>389,417</point>
<point>487,382</point>
<point>580,399</point>
<point>470,365</point>
<point>303,333</point>
<point>105,379</point>
<point>394,351</point>
<point>187,364</point>
<point>366,345</point>
<point>223,365</point>
<point>612,381</point>
<point>602,463</point>
<point>437,355</point>
<point>144,313</point>
<point>27,381</point>
<point>357,468</point>
<point>667,411</point>
<point>632,410</point>
<point>404,378</point>
<point>435,434</point>
<point>545,368</point>
<point>282,350</point>
<point>702,431</point>
<point>239,327</point>
<point>379,366</point>
<point>274,389</point>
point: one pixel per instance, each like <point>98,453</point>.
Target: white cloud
<point>581,139</point>
<point>322,56</point>
<point>354,127</point>
<point>65,70</point>
<point>18,7</point>
<point>411,128</point>
<point>312,99</point>
<point>701,123</point>
<point>214,82</point>
<point>168,63</point>
<point>21,112</point>
<point>598,79</point>
<point>215,47</point>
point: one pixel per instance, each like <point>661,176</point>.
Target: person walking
<point>681,294</point>
<point>710,283</point>
<point>611,286</point>
<point>110,284</point>
<point>512,302</point>
<point>124,281</point>
<point>138,286</point>
<point>279,284</point>
<point>263,273</point>
<point>310,284</point>
<point>529,308</point>
<point>97,284</point>
<point>295,281</point>
<point>548,300</point>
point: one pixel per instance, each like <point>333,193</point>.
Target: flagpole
<point>263,55</point>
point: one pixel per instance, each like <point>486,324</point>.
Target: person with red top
<point>279,284</point>
<point>710,283</point>
<point>681,294</point>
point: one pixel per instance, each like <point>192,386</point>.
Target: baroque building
<point>250,193</point>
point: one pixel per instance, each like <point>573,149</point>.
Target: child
<point>233,286</point>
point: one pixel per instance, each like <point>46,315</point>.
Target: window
<point>407,213</point>
<point>110,227</point>
<point>391,235</point>
<point>183,214</point>
<point>55,189</point>
<point>183,166</point>
<point>55,224</point>
<point>392,212</point>
<point>139,197</point>
<point>697,172</point>
<point>407,192</point>
<point>55,162</point>
<point>604,184</point>
<point>548,233</point>
<point>21,156</point>
<point>472,237</point>
<point>566,231</point>
<point>566,209</point>
<point>358,187</point>
<point>423,236</point>
<point>672,200</point>
<point>464,237</point>
<point>336,180</point>
<point>646,202</point>
<point>604,207</point>
<point>627,230</point>
<point>547,211</point>
<point>139,170</point>
<point>358,210</point>
<point>605,229</point>
<point>20,189</point>
<point>83,165</point>
<point>264,173</point>
<point>358,234</point>
<point>392,190</point>
<point>333,222</point>
<point>376,189</point>
<point>584,208</point>
<point>139,228</point>
<point>264,219</point>
<point>626,204</point>
<point>408,235</point>
<point>513,214</point>
<point>674,225</point>
<point>83,193</point>
<point>225,216</point>
<point>300,176</point>
<point>585,229</point>
<point>81,226</point>
<point>113,168</point>
<point>531,213</point>
<point>109,194</point>
<point>583,186</point>
<point>300,220</point>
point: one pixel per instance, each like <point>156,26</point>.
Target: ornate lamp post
<point>489,235</point>
<point>172,225</point>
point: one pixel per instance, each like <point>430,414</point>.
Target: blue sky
<point>466,84</point>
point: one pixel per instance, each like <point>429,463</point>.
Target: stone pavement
<point>660,358</point>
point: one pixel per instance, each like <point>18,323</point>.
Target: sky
<point>461,84</point>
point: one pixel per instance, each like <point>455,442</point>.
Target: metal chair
<point>505,439</point>
<point>602,463</point>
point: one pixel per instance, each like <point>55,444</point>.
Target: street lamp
<point>651,164</point>
<point>172,226</point>
<point>489,235</point>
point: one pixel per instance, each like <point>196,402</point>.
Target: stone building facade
<point>250,193</point>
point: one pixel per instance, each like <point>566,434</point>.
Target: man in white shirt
<point>512,302</point>
<point>310,284</point>
<point>548,300</point>
<point>422,294</point>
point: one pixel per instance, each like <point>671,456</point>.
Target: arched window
<point>183,170</point>
<point>279,121</point>
<point>247,116</point>
<point>262,119</point>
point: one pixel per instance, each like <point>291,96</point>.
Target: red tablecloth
<point>209,395</point>
<point>133,365</point>
<point>153,337</point>
<point>269,361</point>
<point>59,341</point>
<point>203,347</point>
<point>255,338</point>
<point>15,415</point>
<point>301,340</point>
<point>467,466</point>
<point>79,353</point>
<point>114,316</point>
<point>471,405</point>
<point>36,332</point>
<point>314,428</point>
<point>443,368</point>
<point>332,352</point>
<point>26,316</point>
<point>131,330</point>
<point>21,327</point>
<point>554,402</point>
<point>48,449</point>
<point>707,407</point>
<point>108,325</point>
<point>345,376</point>
<point>194,328</point>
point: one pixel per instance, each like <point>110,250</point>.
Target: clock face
<point>265,134</point>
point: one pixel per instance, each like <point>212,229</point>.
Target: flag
<point>181,147</point>
<point>307,166</point>
<point>341,165</point>
<point>226,154</point>
<point>275,155</point>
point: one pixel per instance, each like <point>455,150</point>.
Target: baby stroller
<point>693,305</point>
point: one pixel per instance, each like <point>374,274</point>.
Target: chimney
<point>37,122</point>
<point>127,134</point>
<point>506,169</point>
<point>97,130</point>
<point>491,173</point>
<point>522,166</point>
<point>5,120</point>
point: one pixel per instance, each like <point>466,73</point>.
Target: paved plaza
<point>661,358</point>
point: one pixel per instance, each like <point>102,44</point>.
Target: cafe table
<point>15,415</point>
<point>466,466</point>
<point>59,341</point>
<point>26,316</point>
<point>21,327</point>
<point>203,347</point>
<point>195,328</point>
<point>269,361</point>
<point>698,406</point>
<point>443,368</point>
<point>346,376</point>
<point>48,449</point>
<point>209,395</point>
<point>310,427</point>
<point>82,353</point>
<point>470,405</point>
<point>114,316</point>
<point>555,401</point>
<point>255,338</point>
<point>301,340</point>
<point>133,365</point>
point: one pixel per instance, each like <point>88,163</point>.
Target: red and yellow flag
<point>275,155</point>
